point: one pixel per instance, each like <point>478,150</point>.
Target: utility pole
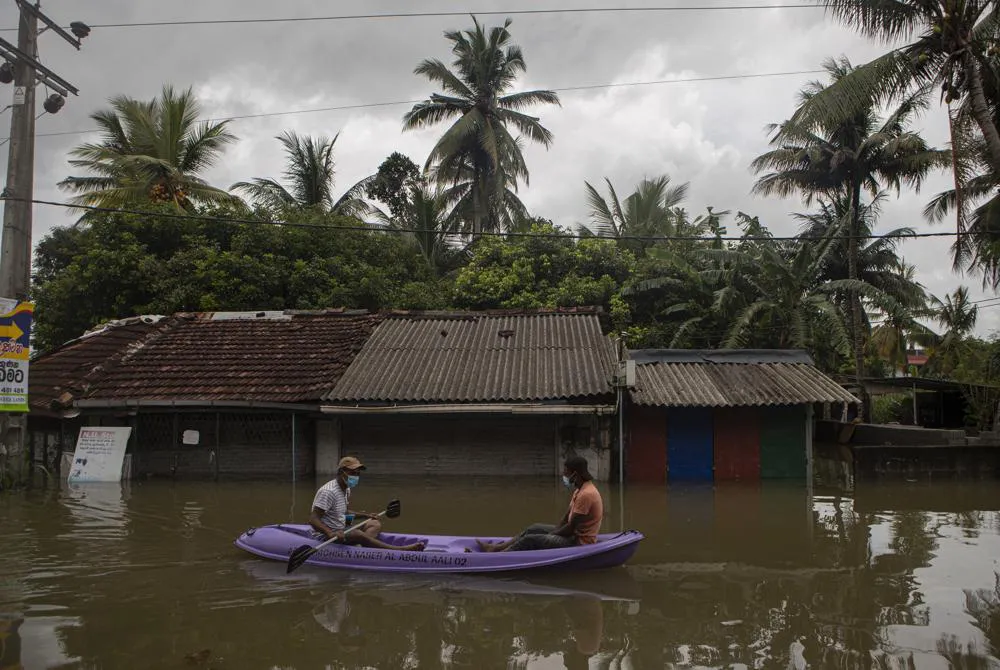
<point>15,256</point>
<point>20,65</point>
<point>15,249</point>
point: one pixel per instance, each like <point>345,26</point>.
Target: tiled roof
<point>731,379</point>
<point>68,368</point>
<point>284,357</point>
<point>469,357</point>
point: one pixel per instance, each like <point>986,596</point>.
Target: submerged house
<point>213,394</point>
<point>478,394</point>
<point>724,414</point>
<point>285,394</point>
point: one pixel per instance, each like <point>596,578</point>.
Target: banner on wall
<point>99,454</point>
<point>15,350</point>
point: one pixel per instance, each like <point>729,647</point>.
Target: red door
<point>737,444</point>
<point>646,458</point>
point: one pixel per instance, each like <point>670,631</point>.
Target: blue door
<point>690,433</point>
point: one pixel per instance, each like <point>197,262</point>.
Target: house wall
<point>692,444</point>
<point>327,446</point>
<point>231,444</point>
<point>475,444</point>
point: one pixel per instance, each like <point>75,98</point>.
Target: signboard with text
<point>15,350</point>
<point>100,451</point>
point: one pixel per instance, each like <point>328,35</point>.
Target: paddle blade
<point>393,510</point>
<point>299,556</point>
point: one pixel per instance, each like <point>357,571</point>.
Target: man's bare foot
<point>484,546</point>
<point>416,546</point>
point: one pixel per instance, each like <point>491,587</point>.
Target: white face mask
<point>567,482</point>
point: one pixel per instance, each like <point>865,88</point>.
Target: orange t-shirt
<point>587,500</point>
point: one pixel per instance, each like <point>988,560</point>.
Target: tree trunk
<point>857,337</point>
<point>477,210</point>
<point>981,110</point>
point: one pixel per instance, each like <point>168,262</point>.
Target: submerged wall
<point>871,451</point>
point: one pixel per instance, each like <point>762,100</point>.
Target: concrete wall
<point>924,463</point>
<point>264,445</point>
<point>13,450</point>
<point>588,436</point>
<point>883,434</point>
<point>498,444</point>
<point>327,446</point>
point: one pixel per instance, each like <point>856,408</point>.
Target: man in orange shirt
<point>578,526</point>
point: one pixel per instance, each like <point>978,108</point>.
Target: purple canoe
<point>443,553</point>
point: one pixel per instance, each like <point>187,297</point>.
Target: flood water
<point>145,575</point>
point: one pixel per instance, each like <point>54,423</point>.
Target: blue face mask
<point>567,482</point>
<point>352,481</point>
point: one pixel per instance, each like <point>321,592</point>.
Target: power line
<point>564,89</point>
<point>379,228</point>
<point>444,14</point>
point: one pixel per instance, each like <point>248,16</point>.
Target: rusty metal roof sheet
<point>712,381</point>
<point>480,358</point>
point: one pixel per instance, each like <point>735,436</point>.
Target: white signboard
<point>190,437</point>
<point>99,454</point>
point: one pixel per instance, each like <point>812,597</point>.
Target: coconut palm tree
<point>844,158</point>
<point>899,327</point>
<point>429,222</point>
<point>651,210</point>
<point>974,199</point>
<point>150,151</point>
<point>309,172</point>
<point>478,151</point>
<point>648,210</point>
<point>957,316</point>
<point>878,260</point>
<point>789,304</point>
<point>950,44</point>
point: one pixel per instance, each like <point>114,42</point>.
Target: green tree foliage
<point>393,182</point>
<point>309,173</point>
<point>546,271</point>
<point>651,210</point>
<point>431,225</point>
<point>974,200</point>
<point>121,265</point>
<point>478,158</point>
<point>957,315</point>
<point>150,151</point>
<point>841,158</point>
<point>950,44</point>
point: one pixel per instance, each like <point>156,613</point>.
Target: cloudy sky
<point>705,133</point>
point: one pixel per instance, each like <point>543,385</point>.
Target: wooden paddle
<point>302,554</point>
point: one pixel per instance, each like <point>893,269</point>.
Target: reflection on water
<point>743,576</point>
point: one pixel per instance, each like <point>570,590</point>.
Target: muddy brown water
<point>771,576</point>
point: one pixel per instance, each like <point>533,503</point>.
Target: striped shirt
<point>333,501</point>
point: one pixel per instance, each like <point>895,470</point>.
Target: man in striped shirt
<point>330,511</point>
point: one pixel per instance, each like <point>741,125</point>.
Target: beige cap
<point>350,463</point>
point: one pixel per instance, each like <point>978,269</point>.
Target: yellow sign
<point>15,350</point>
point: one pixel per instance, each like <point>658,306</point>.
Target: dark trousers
<point>540,536</point>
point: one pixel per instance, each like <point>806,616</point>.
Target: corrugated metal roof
<point>720,356</point>
<point>480,358</point>
<point>708,384</point>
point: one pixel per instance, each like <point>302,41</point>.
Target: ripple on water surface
<point>755,576</point>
